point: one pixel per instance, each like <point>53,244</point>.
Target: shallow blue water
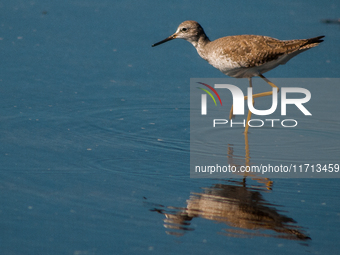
<point>94,142</point>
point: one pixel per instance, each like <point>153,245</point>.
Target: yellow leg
<point>263,94</point>
<point>266,181</point>
<point>249,112</point>
<point>247,158</point>
<point>270,83</point>
<point>269,93</point>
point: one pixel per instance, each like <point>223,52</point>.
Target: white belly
<point>239,69</point>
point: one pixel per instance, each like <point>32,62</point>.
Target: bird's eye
<point>184,29</point>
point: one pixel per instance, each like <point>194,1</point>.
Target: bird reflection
<point>237,204</point>
<point>242,209</point>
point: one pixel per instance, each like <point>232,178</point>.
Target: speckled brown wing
<point>255,50</point>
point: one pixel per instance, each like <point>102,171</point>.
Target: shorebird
<point>242,56</point>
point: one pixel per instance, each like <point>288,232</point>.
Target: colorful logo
<point>204,97</point>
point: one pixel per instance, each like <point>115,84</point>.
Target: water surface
<point>95,133</point>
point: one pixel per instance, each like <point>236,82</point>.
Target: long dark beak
<point>171,37</point>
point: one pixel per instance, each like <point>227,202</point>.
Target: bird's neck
<point>200,45</point>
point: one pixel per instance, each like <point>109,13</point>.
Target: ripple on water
<point>128,139</point>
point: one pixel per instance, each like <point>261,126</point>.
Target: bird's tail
<point>312,42</point>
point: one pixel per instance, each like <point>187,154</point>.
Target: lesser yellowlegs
<point>242,56</point>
